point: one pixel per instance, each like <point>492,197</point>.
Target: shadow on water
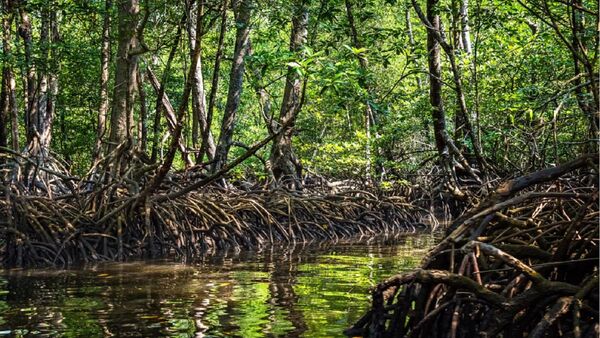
<point>312,291</point>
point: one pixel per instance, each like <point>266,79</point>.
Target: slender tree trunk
<point>456,36</point>
<point>8,77</point>
<point>170,114</point>
<point>5,104</point>
<point>199,95</point>
<point>104,76</point>
<point>588,107</point>
<point>369,118</point>
<point>435,33</point>
<point>47,82</point>
<point>163,103</point>
<point>143,121</point>
<point>457,45</point>
<point>435,83</point>
<point>4,108</point>
<point>444,143</point>
<point>465,30</point>
<point>235,84</point>
<point>411,40</point>
<point>126,67</point>
<point>42,79</point>
<point>215,82</point>
<point>163,170</point>
<point>462,119</point>
<point>264,100</point>
<point>156,131</point>
<point>30,107</point>
<point>53,74</point>
<point>284,163</point>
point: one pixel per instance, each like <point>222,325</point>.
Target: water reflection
<point>300,292</point>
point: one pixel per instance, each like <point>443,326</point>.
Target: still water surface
<point>301,292</point>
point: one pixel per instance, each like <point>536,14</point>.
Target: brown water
<point>304,292</point>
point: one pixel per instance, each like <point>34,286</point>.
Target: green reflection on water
<point>78,317</point>
<point>308,292</point>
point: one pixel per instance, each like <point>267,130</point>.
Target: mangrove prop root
<point>522,262</point>
<point>41,230</point>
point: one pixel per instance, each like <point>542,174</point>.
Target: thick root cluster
<point>522,263</point>
<point>77,228</point>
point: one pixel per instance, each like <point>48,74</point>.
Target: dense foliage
<point>523,86</point>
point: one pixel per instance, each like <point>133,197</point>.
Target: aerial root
<point>523,262</point>
<point>42,230</point>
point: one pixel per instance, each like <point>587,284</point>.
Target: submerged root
<point>523,262</point>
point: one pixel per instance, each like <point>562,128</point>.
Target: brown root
<point>523,262</point>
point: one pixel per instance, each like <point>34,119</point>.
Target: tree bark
<point>235,84</point>
<point>125,71</point>
<point>4,110</point>
<point>284,163</point>
<point>104,76</point>
<point>199,95</point>
<point>42,115</point>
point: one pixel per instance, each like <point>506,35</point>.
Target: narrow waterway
<point>302,292</point>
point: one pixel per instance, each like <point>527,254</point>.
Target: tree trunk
<point>411,40</point>
<point>125,71</point>
<point>143,121</point>
<point>284,163</point>
<point>588,107</point>
<point>170,114</point>
<point>30,102</point>
<point>104,76</point>
<point>163,170</point>
<point>456,35</point>
<point>215,81</point>
<point>369,117</point>
<point>443,141</point>
<point>4,108</point>
<point>264,99</point>
<point>160,97</point>
<point>435,80</point>
<point>465,30</point>
<point>199,95</point>
<point>46,84</point>
<point>53,74</point>
<point>434,33</point>
<point>235,84</point>
<point>6,92</point>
